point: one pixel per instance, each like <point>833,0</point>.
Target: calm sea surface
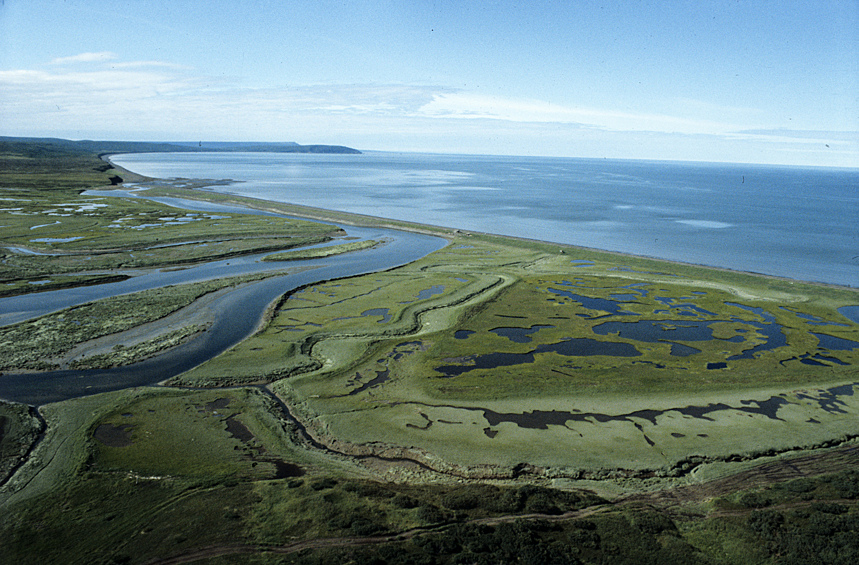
<point>801,223</point>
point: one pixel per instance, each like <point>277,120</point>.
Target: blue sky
<point>726,80</point>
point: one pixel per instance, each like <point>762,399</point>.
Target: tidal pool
<point>519,335</point>
<point>835,343</point>
<point>775,337</point>
<point>570,347</point>
<point>431,291</point>
<point>850,312</point>
<point>813,320</point>
<point>682,308</point>
<point>383,312</point>
<point>601,304</point>
<point>654,331</point>
<point>828,400</point>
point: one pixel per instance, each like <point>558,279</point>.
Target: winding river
<point>238,312</point>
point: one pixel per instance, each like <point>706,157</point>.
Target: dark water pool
<point>850,312</point>
<point>829,400</point>
<point>519,335</point>
<point>654,331</point>
<point>383,312</point>
<point>601,304</point>
<point>570,347</point>
<point>836,343</point>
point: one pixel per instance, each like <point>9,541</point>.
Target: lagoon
<point>795,222</point>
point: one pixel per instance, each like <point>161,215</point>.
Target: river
<point>239,312</point>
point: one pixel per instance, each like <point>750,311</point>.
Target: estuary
<point>237,313</point>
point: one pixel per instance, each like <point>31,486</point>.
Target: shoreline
<point>351,218</point>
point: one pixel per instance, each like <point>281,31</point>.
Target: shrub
<point>323,483</point>
<point>766,523</point>
<point>431,514</point>
<point>829,507</point>
<point>404,501</point>
<point>541,503</point>
<point>755,500</point>
<point>654,523</point>
<point>459,500</point>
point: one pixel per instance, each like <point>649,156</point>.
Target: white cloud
<point>99,57</point>
<point>155,100</point>
<point>470,106</point>
<point>158,64</point>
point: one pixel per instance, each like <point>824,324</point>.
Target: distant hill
<point>105,147</point>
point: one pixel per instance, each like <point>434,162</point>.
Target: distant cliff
<point>106,147</point>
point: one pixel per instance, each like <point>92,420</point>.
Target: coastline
<point>728,279</point>
<point>351,218</point>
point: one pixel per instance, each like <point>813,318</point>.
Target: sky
<point>721,80</point>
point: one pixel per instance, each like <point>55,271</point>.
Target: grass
<point>185,483</point>
<point>179,464</point>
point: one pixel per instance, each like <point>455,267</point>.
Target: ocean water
<point>795,222</point>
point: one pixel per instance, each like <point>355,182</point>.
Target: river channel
<point>238,312</point>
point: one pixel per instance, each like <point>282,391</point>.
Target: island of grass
<point>322,252</point>
<point>497,400</point>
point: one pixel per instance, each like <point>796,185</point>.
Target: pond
<point>850,312</point>
<point>519,335</point>
<point>654,331</point>
<point>775,337</point>
<point>568,347</point>
<point>383,312</point>
<point>591,303</point>
<point>835,343</point>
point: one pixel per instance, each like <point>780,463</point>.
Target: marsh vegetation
<point>495,400</point>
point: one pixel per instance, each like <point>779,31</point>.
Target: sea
<point>795,222</point>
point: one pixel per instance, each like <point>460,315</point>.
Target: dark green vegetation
<point>444,414</point>
<point>210,475</point>
<point>104,147</point>
<point>19,427</point>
